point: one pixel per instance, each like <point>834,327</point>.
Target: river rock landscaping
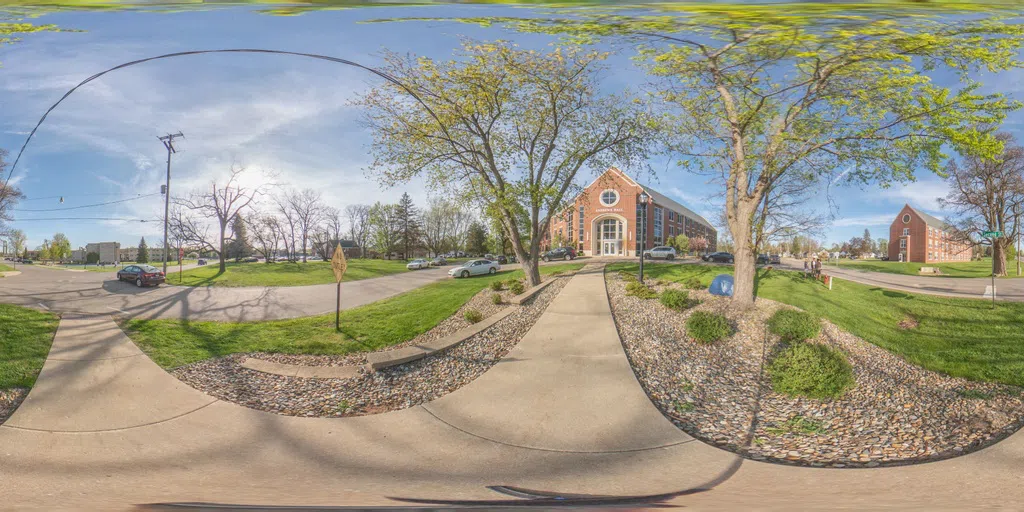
<point>9,401</point>
<point>894,412</point>
<point>388,389</point>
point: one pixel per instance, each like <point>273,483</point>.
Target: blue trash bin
<point>721,285</point>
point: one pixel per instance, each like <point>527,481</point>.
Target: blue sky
<point>284,114</point>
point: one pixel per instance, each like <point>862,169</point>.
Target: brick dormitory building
<point>919,237</point>
<point>604,219</point>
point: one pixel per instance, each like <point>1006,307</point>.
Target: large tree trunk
<point>999,256</point>
<point>744,270</point>
<point>222,254</point>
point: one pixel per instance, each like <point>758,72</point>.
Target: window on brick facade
<point>658,215</point>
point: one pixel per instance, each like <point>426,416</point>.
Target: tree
<point>987,194</point>
<point>476,239</point>
<point>9,194</point>
<point>699,244</point>
<point>358,224</point>
<point>507,128</point>
<point>92,258</point>
<point>60,247</point>
<point>441,224</point>
<point>265,234</point>
<point>239,247</point>
<point>761,96</point>
<point>883,246</point>
<point>222,203</point>
<point>867,245</point>
<point>306,206</point>
<point>681,243</point>
<point>409,220</point>
<point>16,238</point>
<point>143,254</point>
<point>385,228</point>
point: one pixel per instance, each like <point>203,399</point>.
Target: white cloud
<point>922,194</point>
<point>882,219</point>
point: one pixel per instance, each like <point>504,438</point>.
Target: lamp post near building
<point>643,231</point>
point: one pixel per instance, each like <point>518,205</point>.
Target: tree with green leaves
<point>143,254</point>
<point>60,247</point>
<point>759,96</point>
<point>92,258</point>
<point>385,228</point>
<point>239,247</point>
<point>476,239</point>
<point>507,128</point>
<point>681,243</point>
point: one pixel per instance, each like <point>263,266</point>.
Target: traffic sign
<point>338,263</point>
<point>181,253</point>
<point>992,234</point>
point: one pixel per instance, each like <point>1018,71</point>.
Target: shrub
<point>495,298</point>
<point>693,283</point>
<point>810,370</point>
<point>675,299</point>
<point>792,325</point>
<point>707,327</point>
<point>628,276</point>
<point>473,316</point>
<point>516,287</point>
<point>638,289</point>
<point>496,286</point>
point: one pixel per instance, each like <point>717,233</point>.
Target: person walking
<point>807,269</point>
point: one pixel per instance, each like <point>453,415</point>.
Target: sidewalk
<point>105,429</point>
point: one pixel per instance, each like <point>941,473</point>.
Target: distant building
<point>156,254</point>
<point>919,237</point>
<point>108,251</point>
<point>349,247</point>
<point>604,219</point>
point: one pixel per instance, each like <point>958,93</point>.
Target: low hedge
<point>473,316</point>
<point>675,299</point>
<point>496,286</point>
<point>516,287</point>
<point>707,327</point>
<point>791,325</point>
<point>811,370</point>
<point>638,289</point>
<point>693,283</point>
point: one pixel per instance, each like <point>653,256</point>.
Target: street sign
<point>338,263</point>
<point>992,234</point>
<point>181,253</point>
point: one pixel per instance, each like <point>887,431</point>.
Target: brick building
<point>603,220</point>
<point>917,236</point>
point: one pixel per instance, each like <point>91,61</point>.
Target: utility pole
<point>168,141</point>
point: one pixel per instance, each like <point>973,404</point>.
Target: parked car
<point>762,259</point>
<point>27,262</point>
<point>439,261</point>
<point>719,257</point>
<point>662,253</point>
<point>418,264</point>
<point>884,258</point>
<point>774,259</point>
<point>475,268</point>
<point>250,260</point>
<point>501,259</point>
<point>141,275</point>
<point>201,262</point>
<point>561,253</point>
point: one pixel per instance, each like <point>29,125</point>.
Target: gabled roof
<point>657,197</point>
<point>930,220</point>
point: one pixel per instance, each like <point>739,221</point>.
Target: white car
<point>475,268</point>
<point>418,264</point>
<point>663,252</point>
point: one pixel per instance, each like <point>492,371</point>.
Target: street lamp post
<point>643,231</point>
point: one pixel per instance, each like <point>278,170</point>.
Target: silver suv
<point>662,253</point>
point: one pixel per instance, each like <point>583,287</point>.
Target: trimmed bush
<point>811,370</point>
<point>495,298</point>
<point>473,316</point>
<point>516,287</point>
<point>638,289</point>
<point>707,327</point>
<point>693,283</point>
<point>496,286</point>
<point>791,325</point>
<point>628,276</point>
<point>674,298</point>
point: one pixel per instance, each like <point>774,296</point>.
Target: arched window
<point>609,197</point>
<point>611,229</point>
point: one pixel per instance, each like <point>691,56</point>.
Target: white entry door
<point>608,247</point>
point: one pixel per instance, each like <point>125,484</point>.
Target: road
<point>964,287</point>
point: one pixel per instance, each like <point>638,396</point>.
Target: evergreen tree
<point>143,252</point>
<point>409,222</point>
<point>239,247</point>
<point>476,239</point>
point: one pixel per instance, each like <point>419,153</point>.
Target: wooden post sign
<point>338,265</point>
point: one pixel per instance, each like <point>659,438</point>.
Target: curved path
<point>105,428</point>
<point>965,287</point>
<point>102,293</point>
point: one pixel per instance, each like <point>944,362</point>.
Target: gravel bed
<point>389,389</point>
<point>10,399</point>
<point>896,413</point>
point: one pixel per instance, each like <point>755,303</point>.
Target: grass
<point>284,274</point>
<point>707,327</point>
<point>25,338</point>
<point>959,337</point>
<point>811,370</point>
<point>173,343</point>
<point>792,325</point>
<point>5,268</point>
<point>797,425</point>
<point>982,268</point>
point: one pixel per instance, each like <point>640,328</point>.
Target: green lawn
<point>283,274</point>
<point>959,337</point>
<point>981,268</point>
<point>5,268</point>
<point>25,338</point>
<point>173,343</point>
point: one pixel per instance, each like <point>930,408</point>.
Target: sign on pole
<point>338,265</point>
<point>992,234</point>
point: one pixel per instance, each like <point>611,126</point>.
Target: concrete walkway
<point>105,429</point>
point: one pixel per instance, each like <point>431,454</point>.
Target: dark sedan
<point>141,275</point>
<point>719,257</point>
<point>562,253</point>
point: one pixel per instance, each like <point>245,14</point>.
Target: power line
<point>87,205</point>
<point>65,196</point>
<point>86,218</point>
